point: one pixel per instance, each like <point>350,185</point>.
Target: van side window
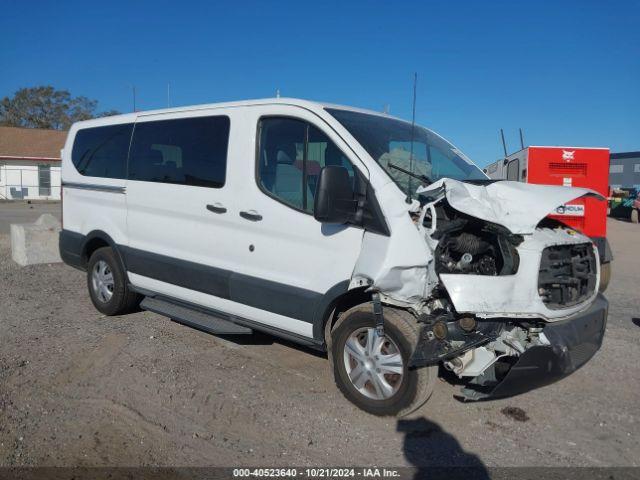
<point>292,153</point>
<point>102,151</point>
<point>185,151</point>
<point>513,170</point>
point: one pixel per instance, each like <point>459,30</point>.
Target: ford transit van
<point>346,230</point>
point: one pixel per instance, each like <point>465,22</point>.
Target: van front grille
<point>568,275</point>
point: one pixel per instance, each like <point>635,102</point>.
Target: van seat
<point>288,181</point>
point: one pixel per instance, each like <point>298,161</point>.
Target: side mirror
<point>334,200</point>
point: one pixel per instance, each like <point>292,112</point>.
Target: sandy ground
<point>81,389</point>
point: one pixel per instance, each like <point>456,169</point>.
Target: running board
<point>208,322</point>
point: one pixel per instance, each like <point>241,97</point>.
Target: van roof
<point>308,104</point>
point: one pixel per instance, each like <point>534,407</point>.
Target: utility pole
<point>504,144</point>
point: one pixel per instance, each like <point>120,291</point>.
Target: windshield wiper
<point>424,178</point>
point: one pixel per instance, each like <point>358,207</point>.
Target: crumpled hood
<point>514,205</point>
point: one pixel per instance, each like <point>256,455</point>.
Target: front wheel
<point>371,370</point>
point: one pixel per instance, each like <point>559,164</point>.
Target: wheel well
<point>341,304</point>
<point>91,246</point>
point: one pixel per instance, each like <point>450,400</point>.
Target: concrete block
<point>37,242</point>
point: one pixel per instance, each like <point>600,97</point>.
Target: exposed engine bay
<point>469,245</point>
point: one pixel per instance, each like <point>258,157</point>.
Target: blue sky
<point>567,72</point>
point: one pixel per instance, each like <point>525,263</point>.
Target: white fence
<point>29,182</point>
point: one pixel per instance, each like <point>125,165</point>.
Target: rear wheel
<point>107,284</point>
<point>371,370</point>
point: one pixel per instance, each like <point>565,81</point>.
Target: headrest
<point>155,157</point>
<point>332,155</point>
<point>283,157</point>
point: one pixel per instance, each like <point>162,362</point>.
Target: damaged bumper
<point>573,343</point>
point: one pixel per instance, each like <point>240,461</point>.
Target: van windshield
<point>388,141</point>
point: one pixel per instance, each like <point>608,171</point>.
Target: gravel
<point>81,389</point>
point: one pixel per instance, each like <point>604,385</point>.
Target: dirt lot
<point>78,388</point>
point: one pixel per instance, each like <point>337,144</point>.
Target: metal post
<point>504,144</point>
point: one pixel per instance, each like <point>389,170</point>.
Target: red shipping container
<point>569,167</point>
<point>575,167</point>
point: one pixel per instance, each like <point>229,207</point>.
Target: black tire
<point>122,299</point>
<point>415,385</point>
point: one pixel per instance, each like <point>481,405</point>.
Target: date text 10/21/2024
<point>366,472</point>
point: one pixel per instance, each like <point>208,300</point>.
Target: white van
<point>346,230</point>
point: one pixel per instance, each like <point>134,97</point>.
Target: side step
<point>207,322</point>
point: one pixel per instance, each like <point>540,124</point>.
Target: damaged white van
<point>338,228</point>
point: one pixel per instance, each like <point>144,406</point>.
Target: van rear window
<point>186,151</point>
<point>102,151</point>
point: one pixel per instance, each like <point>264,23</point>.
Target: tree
<point>46,107</point>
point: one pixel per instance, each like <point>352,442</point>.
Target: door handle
<point>251,215</point>
<point>217,208</point>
